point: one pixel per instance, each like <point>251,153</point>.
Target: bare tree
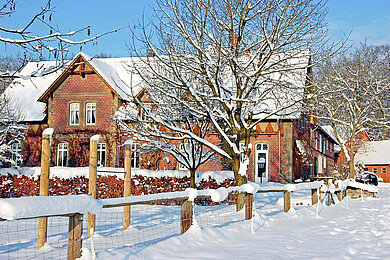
<point>53,44</point>
<point>351,95</point>
<point>237,61</point>
<point>8,64</point>
<point>11,132</point>
<point>164,125</point>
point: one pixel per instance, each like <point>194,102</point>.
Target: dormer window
<point>74,114</point>
<point>90,114</point>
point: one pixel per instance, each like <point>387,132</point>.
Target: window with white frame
<point>324,161</point>
<point>145,110</point>
<point>62,154</point>
<point>319,159</point>
<point>182,148</point>
<point>16,152</point>
<point>90,113</point>
<point>101,154</point>
<point>242,151</point>
<point>135,156</point>
<point>74,114</point>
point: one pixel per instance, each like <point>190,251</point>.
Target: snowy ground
<point>361,231</point>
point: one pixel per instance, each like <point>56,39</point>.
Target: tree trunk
<point>192,176</point>
<point>351,169</point>
<point>240,180</point>
<point>351,162</point>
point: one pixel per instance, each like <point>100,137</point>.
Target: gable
<point>83,68</point>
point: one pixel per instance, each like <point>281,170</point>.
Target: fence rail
<point>176,219</point>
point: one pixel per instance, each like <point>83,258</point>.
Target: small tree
<point>11,131</point>
<point>168,127</point>
<point>350,92</point>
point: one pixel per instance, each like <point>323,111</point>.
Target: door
<point>261,163</point>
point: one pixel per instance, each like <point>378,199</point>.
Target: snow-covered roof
<point>328,129</point>
<point>120,76</point>
<point>374,153</point>
<point>26,90</point>
<point>116,72</point>
<point>290,88</point>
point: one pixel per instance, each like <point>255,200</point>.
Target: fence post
<point>186,216</point>
<point>92,178</point>
<point>314,196</point>
<point>287,201</point>
<point>249,206</point>
<point>74,236</point>
<point>341,195</point>
<point>127,183</point>
<point>44,182</point>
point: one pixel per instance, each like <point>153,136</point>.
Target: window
<point>135,156</point>
<point>320,143</point>
<point>74,113</point>
<point>62,154</point>
<point>101,154</point>
<point>145,111</point>
<point>16,152</point>
<point>182,148</point>
<point>324,162</point>
<point>384,170</point>
<point>374,170</point>
<point>90,114</point>
<point>320,164</point>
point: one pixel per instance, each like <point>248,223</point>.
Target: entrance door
<point>261,163</point>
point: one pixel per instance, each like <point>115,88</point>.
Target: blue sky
<point>365,18</point>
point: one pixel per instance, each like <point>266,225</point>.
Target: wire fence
<point>18,239</point>
<point>150,223</point>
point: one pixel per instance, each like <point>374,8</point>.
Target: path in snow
<point>360,232</point>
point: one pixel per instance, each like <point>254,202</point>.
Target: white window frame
<point>74,113</point>
<point>182,149</point>
<point>101,152</point>
<point>62,148</point>
<point>324,161</point>
<point>319,164</point>
<point>90,113</point>
<point>135,156</point>
<point>145,107</point>
<point>16,149</point>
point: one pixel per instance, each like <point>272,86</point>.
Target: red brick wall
<point>384,176</point>
<point>82,90</point>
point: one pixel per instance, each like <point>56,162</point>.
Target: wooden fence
<point>75,222</point>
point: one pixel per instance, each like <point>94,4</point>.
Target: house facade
<point>81,100</point>
<point>376,157</point>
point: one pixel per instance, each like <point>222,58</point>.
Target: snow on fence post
<point>287,201</point>
<point>127,183</point>
<point>92,178</point>
<point>314,196</point>
<point>186,216</point>
<point>74,236</point>
<point>249,206</point>
<point>44,182</point>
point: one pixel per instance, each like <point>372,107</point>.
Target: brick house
<point>341,161</point>
<point>376,158</point>
<point>80,100</point>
